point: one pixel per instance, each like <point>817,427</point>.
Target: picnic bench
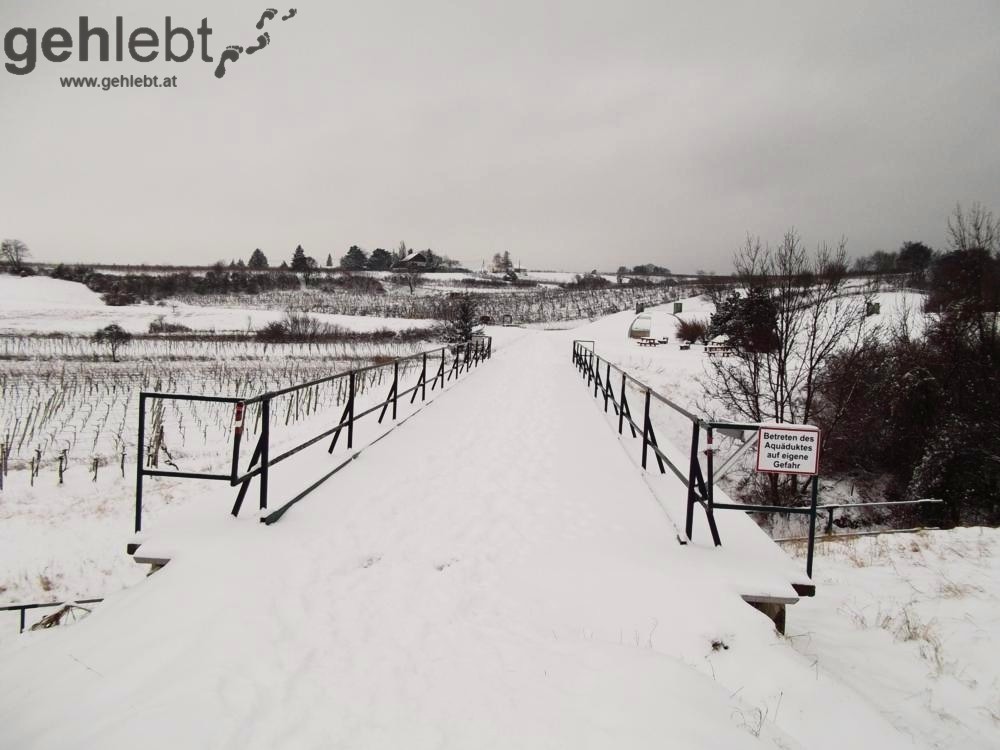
<point>647,341</point>
<point>721,350</point>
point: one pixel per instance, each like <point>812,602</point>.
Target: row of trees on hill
<point>916,412</point>
<point>644,269</point>
<point>912,258</point>
<point>355,259</point>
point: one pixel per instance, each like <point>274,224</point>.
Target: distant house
<point>412,262</point>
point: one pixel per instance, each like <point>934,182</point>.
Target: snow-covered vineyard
<point>490,566</point>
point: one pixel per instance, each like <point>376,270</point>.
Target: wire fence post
<point>265,448</point>
<point>140,449</point>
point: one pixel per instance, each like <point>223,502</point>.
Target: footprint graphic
<point>229,54</point>
<point>262,41</point>
<point>266,16</point>
<point>292,12</point>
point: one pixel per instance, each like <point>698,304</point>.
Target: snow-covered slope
<point>40,304</point>
<point>494,573</point>
<point>42,291</point>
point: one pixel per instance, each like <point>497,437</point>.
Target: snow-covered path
<point>494,573</point>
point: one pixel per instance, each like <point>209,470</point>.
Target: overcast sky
<point>574,134</point>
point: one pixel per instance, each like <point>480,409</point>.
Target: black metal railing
<point>444,362</point>
<point>23,608</point>
<point>700,483</point>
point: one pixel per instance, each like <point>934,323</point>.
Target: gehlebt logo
<point>26,48</point>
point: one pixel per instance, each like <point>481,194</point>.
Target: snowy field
<point>43,305</point>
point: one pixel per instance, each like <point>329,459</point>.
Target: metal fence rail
<point>443,363</point>
<point>700,482</point>
<point>23,608</point>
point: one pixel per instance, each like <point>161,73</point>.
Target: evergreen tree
<point>380,260</point>
<point>257,260</point>
<point>354,260</point>
<point>329,260</point>
<point>299,261</point>
<point>459,320</point>
<point>748,322</point>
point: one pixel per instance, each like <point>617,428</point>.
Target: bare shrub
<point>690,331</point>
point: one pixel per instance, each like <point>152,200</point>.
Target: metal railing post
<point>234,470</point>
<point>645,430</point>
<point>265,448</point>
<point>621,407</point>
<point>423,378</point>
<point>692,479</point>
<point>350,413</point>
<point>395,386</point>
<point>607,386</point>
<point>597,374</point>
<point>812,527</point>
<point>710,467</point>
<point>139,460</point>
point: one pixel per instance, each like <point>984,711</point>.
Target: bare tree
<point>801,313</point>
<point>974,229</point>
<point>114,337</point>
<point>14,253</point>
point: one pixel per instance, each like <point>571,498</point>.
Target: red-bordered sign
<point>240,409</point>
<point>788,449</point>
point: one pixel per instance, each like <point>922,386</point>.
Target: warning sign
<point>788,449</point>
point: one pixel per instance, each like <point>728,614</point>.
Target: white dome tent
<point>655,324</point>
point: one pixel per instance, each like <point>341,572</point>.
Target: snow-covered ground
<point>494,573</point>
<point>39,304</point>
<point>909,623</point>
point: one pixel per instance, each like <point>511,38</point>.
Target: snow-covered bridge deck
<point>494,573</point>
